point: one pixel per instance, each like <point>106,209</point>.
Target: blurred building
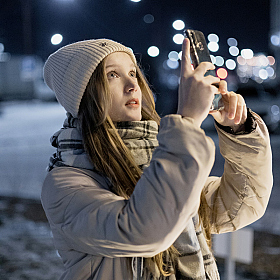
<point>21,78</point>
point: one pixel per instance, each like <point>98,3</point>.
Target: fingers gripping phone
<point>199,53</point>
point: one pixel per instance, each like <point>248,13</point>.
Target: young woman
<point>126,200</point>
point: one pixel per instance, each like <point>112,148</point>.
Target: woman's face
<point>123,84</point>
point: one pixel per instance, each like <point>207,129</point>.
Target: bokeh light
<point>213,58</point>
<point>178,24</point>
<point>148,18</point>
<point>180,55</point>
<point>56,39</point>
<point>232,42</point>
<point>271,60</point>
<point>259,68</point>
<point>172,64</point>
<point>172,81</point>
<point>275,40</point>
<point>213,38</point>
<point>275,110</point>
<point>178,39</point>
<point>263,74</point>
<point>173,55</point>
<point>1,47</point>
<point>230,64</point>
<point>222,73</point>
<point>213,46</point>
<point>262,60</point>
<point>241,60</point>
<point>247,53</point>
<point>270,72</point>
<point>234,51</point>
<point>153,51</point>
<point>219,61</point>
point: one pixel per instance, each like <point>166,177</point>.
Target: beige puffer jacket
<point>95,230</point>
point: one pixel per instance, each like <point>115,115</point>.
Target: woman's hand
<point>196,92</point>
<point>234,113</point>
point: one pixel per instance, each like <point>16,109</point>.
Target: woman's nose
<point>131,85</point>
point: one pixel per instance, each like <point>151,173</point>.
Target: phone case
<point>199,53</point>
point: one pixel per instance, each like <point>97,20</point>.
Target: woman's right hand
<point>196,91</point>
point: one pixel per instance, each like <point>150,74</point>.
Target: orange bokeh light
<point>222,73</point>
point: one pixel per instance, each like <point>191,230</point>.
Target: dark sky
<point>122,20</point>
<point>26,27</point>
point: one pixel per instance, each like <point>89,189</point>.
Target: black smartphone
<point>199,53</point>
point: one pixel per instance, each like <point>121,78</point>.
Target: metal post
<point>26,8</point>
<point>229,261</point>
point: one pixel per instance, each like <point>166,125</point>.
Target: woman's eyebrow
<point>111,66</point>
<point>117,65</point>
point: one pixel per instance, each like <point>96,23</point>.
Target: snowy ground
<point>25,130</point>
<point>26,249</point>
<point>27,252</point>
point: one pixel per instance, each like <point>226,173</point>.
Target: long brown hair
<point>106,149</point>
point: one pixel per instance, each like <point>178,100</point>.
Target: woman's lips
<point>132,102</point>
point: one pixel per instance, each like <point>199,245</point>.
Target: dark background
<point>26,27</point>
<point>122,20</point>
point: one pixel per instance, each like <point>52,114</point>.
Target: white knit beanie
<point>68,70</point>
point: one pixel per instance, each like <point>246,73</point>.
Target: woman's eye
<point>133,74</point>
<point>112,75</point>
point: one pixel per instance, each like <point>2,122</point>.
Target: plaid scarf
<point>196,261</point>
<point>139,137</point>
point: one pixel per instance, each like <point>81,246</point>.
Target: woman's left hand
<point>234,113</point>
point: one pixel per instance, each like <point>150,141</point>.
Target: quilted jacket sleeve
<point>241,195</point>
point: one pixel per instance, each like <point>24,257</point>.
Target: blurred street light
<point>222,73</point>
<point>148,18</point>
<point>178,24</point>
<point>153,51</point>
<point>230,64</point>
<point>275,40</point>
<point>213,38</point>
<point>178,39</point>
<point>1,47</point>
<point>219,61</point>
<point>213,46</point>
<point>56,39</point>
<point>247,53</point>
<point>172,64</point>
<point>234,51</point>
<point>232,42</point>
<point>173,55</point>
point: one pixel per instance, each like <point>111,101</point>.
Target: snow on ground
<point>26,246</point>
<point>27,251</point>
<point>25,130</point>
